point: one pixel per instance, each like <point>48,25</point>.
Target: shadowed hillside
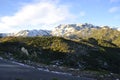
<point>84,54</point>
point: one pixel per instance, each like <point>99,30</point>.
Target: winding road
<point>12,71</point>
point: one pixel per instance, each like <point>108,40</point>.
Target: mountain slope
<point>28,33</point>
<point>89,54</point>
<point>32,33</point>
<point>69,29</point>
<point>77,31</point>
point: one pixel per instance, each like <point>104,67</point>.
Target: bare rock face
<point>69,29</point>
<point>24,51</point>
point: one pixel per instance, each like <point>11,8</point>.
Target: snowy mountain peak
<point>76,26</point>
<point>32,33</point>
<point>67,29</point>
<point>62,30</point>
<point>28,33</point>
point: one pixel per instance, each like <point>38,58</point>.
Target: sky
<point>18,15</point>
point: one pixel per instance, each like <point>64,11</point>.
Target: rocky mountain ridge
<point>28,33</point>
<point>67,30</point>
<point>74,29</point>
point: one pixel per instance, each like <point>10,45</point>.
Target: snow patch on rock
<point>67,29</point>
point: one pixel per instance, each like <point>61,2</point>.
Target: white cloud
<point>44,12</point>
<point>114,9</point>
<point>82,13</point>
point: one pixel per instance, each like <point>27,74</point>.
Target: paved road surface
<point>12,71</point>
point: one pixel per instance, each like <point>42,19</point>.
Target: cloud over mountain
<point>42,12</point>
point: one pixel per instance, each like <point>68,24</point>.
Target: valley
<point>81,50</point>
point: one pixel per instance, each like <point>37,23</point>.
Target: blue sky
<point>17,15</point>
